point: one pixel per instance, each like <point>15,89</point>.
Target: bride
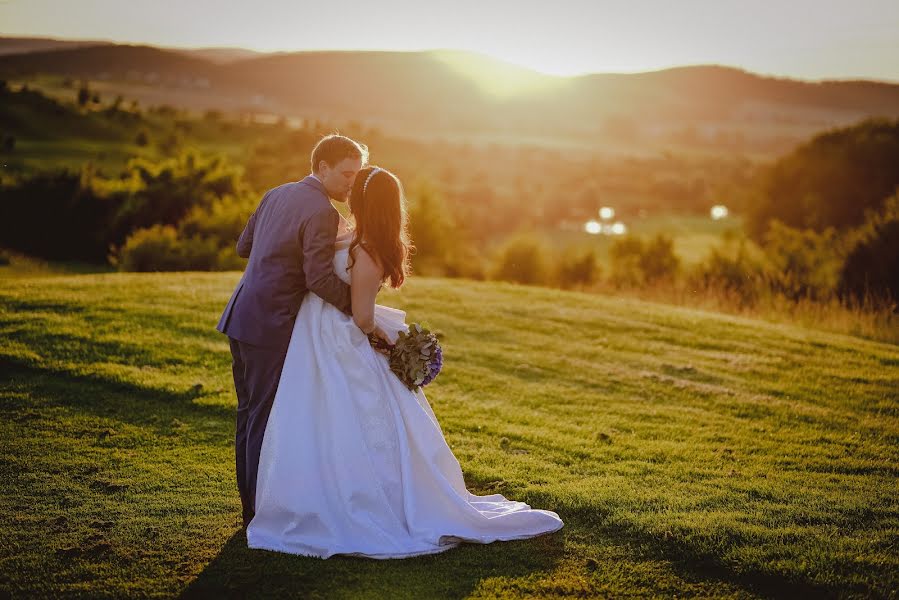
<point>353,462</point>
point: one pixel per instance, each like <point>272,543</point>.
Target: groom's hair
<point>334,148</point>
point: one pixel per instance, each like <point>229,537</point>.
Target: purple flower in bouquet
<point>434,365</point>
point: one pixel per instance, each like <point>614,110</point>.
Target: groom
<point>289,240</point>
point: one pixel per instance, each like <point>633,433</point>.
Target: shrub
<point>227,259</point>
<point>442,245</point>
<point>203,241</point>
<point>804,263</point>
<point>635,262</point>
<point>155,248</point>
<point>167,190</point>
<point>625,256</point>
<point>223,220</point>
<point>523,260</point>
<point>161,248</point>
<point>577,268</point>
<point>871,268</point>
<point>57,215</point>
<point>430,226</point>
<point>658,261</point>
<point>198,254</point>
<point>736,274</point>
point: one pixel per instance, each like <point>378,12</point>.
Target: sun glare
<point>496,77</point>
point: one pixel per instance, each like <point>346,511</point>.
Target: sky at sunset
<point>811,39</point>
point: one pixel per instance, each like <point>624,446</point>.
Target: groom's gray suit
<point>289,240</point>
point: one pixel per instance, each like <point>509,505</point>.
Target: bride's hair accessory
<point>367,179</point>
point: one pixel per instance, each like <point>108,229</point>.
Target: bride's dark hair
<point>379,210</point>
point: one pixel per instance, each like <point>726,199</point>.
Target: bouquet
<point>416,357</point>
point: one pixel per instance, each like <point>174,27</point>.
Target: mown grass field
<point>689,453</point>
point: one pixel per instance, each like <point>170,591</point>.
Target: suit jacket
<point>289,240</point>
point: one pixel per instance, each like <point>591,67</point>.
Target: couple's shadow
<point>240,572</point>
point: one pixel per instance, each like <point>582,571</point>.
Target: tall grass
<point>875,319</point>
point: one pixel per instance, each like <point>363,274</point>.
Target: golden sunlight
<point>802,38</point>
<point>495,77</point>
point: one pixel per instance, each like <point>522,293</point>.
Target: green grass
<point>689,453</point>
<point>15,265</point>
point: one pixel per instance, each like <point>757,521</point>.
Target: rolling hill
<point>454,93</point>
<point>25,45</point>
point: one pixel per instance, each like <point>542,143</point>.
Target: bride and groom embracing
<point>335,455</point>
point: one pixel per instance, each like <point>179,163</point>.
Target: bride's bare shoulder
<point>364,262</point>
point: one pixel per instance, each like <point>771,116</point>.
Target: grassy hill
<point>689,453</point>
<point>53,133</point>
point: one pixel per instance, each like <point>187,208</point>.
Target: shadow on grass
<point>238,571</point>
<point>241,572</point>
<point>696,565</point>
<point>102,397</point>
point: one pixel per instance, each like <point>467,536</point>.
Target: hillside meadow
<point>689,453</point>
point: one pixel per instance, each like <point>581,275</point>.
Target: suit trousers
<point>256,372</point>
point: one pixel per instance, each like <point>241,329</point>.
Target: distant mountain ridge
<point>24,45</point>
<point>445,91</point>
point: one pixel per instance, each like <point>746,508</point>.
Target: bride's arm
<point>366,277</point>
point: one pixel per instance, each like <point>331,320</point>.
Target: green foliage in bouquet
<point>416,358</point>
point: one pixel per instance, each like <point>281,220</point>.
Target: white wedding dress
<point>354,463</point>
